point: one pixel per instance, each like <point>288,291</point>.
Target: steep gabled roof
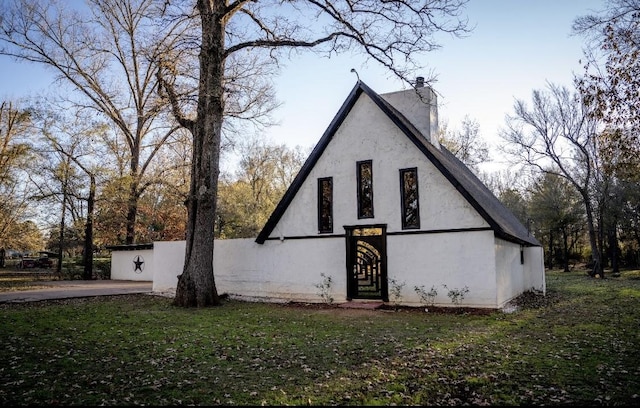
<point>504,224</point>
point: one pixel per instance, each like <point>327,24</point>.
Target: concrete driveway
<point>74,289</point>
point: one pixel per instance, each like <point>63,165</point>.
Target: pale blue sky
<point>516,46</point>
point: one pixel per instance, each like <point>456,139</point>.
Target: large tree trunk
<point>565,249</point>
<point>597,270</point>
<point>132,214</point>
<point>61,236</point>
<point>196,285</point>
<point>87,254</point>
<point>550,248</point>
<point>613,248</point>
<point>134,194</point>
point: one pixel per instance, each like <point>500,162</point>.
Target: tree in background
<point>556,211</point>
<point>72,239</point>
<point>557,136</point>
<point>393,33</point>
<point>69,140</point>
<point>106,53</point>
<point>609,89</point>
<point>611,82</point>
<point>466,144</point>
<point>15,158</point>
<point>629,223</point>
<point>162,211</point>
<point>246,200</point>
<point>14,123</point>
<point>28,237</point>
<point>516,202</point>
<point>515,178</point>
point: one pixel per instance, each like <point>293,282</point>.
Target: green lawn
<point>579,345</point>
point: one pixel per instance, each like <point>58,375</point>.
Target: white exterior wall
<point>456,259</point>
<point>288,270</point>
<point>534,269</point>
<point>280,270</point>
<point>168,264</point>
<point>509,271</point>
<point>123,267</point>
<point>514,277</point>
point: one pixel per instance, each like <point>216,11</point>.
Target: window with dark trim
<point>325,204</point>
<point>365,189</point>
<point>409,197</point>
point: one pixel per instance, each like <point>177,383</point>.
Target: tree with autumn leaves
<point>610,85</point>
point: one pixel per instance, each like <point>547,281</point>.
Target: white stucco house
<point>378,205</point>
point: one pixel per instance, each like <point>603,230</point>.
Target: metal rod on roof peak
<point>355,72</point>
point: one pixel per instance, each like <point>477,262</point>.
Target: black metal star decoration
<point>138,263</point>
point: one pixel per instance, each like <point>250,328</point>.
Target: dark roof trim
<point>426,148</point>
<point>308,165</point>
<point>130,247</point>
<point>501,220</point>
<point>411,132</point>
<point>394,233</point>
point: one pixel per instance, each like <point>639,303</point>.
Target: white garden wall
<point>124,267</point>
<point>278,271</point>
<point>168,264</point>
<point>289,270</point>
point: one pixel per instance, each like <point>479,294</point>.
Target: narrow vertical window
<point>325,205</point>
<point>365,189</point>
<point>409,196</point>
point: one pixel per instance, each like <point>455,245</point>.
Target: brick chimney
<point>420,106</point>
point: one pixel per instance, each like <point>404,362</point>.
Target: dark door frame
<point>351,258</point>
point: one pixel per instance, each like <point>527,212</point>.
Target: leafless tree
<point>467,144</point>
<point>556,135</point>
<point>394,33</point>
<point>70,137</point>
<point>105,52</point>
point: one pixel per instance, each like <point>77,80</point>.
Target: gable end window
<point>365,189</point>
<point>409,198</point>
<point>325,205</point>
